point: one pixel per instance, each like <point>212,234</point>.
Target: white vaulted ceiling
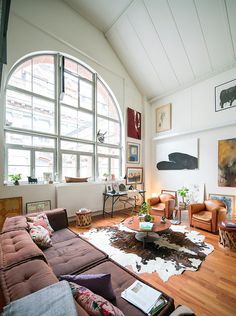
<point>166,45</point>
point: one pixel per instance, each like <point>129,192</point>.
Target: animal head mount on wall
<point>101,136</point>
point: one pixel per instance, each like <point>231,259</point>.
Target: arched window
<point>60,120</point>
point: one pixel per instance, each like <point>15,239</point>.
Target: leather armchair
<point>207,215</point>
<point>163,204</point>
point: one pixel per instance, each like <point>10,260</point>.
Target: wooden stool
<point>83,218</point>
<point>227,235</point>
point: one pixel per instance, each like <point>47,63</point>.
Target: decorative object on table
<point>32,180</point>
<point>134,175</point>
<point>15,178</point>
<point>83,218</point>
<point>229,201</point>
<point>122,187</point>
<point>38,206</point>
<point>175,251</point>
<point>106,176</point>
<point>163,118</point>
<point>183,193</point>
<point>163,219</point>
<point>10,207</point>
<point>47,177</point>
<point>109,188</point>
<point>177,155</point>
<point>101,136</point>
<point>144,212</point>
<point>134,123</point>
<point>226,165</point>
<point>115,187</point>
<point>225,95</point>
<point>133,153</point>
<point>75,179</point>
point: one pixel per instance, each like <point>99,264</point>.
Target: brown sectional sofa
<point>25,268</point>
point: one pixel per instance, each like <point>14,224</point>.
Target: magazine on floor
<point>144,297</point>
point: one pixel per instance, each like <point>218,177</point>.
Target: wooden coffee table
<point>146,235</point>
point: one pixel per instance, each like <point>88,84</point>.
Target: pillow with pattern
<point>40,236</point>
<point>95,305</point>
<point>41,216</point>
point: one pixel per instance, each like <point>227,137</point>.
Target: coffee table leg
<point>146,237</point>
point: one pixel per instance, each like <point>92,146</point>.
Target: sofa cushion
<point>97,283</point>
<point>17,247</point>
<point>40,236</point>
<point>72,255</point>
<point>62,235</point>
<point>94,304</point>
<point>14,223</point>
<point>121,279</point>
<point>26,278</point>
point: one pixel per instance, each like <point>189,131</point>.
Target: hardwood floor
<point>209,291</point>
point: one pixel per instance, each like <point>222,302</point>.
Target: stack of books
<point>145,226</point>
<point>149,300</point>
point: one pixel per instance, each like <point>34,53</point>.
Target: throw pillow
<point>97,283</point>
<point>40,236</point>
<point>40,222</point>
<point>42,216</point>
<point>95,305</point>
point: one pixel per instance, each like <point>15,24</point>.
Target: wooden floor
<point>209,291</point>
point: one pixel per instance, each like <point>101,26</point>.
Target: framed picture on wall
<point>133,153</point>
<point>225,95</point>
<point>229,201</point>
<point>38,206</point>
<point>163,118</point>
<point>133,123</point>
<point>134,175</point>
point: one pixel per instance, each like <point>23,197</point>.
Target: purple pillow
<point>97,283</point>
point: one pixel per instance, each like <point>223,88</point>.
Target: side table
<point>177,215</point>
<point>227,234</point>
<point>83,218</point>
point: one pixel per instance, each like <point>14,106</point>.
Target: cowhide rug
<point>173,252</point>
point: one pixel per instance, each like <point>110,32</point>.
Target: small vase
<point>16,182</point>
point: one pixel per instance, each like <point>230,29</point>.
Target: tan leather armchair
<point>163,205</point>
<point>207,215</point>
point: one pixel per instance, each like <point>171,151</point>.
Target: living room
<point>194,120</point>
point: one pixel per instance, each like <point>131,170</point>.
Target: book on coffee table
<point>144,297</point>
<point>145,226</point>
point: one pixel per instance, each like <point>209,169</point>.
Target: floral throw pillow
<point>95,305</point>
<point>40,236</point>
<point>40,217</point>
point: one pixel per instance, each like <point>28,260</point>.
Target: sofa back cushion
<point>14,223</point>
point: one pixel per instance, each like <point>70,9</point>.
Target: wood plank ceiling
<point>166,45</point>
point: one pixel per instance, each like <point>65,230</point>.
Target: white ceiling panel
<point>188,24</point>
<point>213,17</point>
<point>231,10</point>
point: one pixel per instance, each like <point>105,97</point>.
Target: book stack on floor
<point>146,298</point>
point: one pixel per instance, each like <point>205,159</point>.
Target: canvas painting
<point>133,123</point>
<point>177,155</point>
<point>225,95</point>
<point>163,118</point>
<point>226,162</point>
<point>229,201</point>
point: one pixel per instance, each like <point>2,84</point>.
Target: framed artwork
<point>133,153</point>
<point>226,167</point>
<point>134,175</point>
<point>115,186</point>
<point>109,188</point>
<point>229,201</point>
<point>163,118</point>
<point>38,206</point>
<point>133,123</point>
<point>225,95</point>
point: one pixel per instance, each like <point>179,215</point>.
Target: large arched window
<point>60,120</point>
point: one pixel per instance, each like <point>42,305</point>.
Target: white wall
<point>194,116</point>
<point>53,26</point>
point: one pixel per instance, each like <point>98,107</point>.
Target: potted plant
<point>144,212</point>
<point>183,193</point>
<point>15,178</point>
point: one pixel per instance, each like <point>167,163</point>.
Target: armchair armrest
<point>153,201</point>
<point>169,207</point>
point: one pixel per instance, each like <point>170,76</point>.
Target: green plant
<point>15,177</point>
<point>144,209</point>
<point>183,192</point>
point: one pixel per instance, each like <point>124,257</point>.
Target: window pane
<point>115,167</point>
<point>19,162</point>
<point>69,165</point>
<point>71,66</point>
<point>103,166</point>
<point>86,95</point>
<point>112,130</point>
<point>18,139</point>
<point>43,75</point>
<point>108,151</point>
<point>84,72</point>
<point>85,126</point>
<point>43,113</point>
<point>43,142</point>
<point>105,106</point>
<point>86,166</point>
<point>43,163</point>
<point>22,76</point>
<point>71,90</point>
<point>68,145</point>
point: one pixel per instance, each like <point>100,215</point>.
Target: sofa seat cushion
<point>205,216</point>
<point>62,235</point>
<point>72,256</point>
<point>17,247</point>
<point>121,279</point>
<point>26,278</point>
<point>14,223</point>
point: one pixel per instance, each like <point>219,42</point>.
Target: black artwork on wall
<point>178,161</point>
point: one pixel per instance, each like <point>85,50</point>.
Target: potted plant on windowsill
<point>15,178</point>
<point>183,193</point>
